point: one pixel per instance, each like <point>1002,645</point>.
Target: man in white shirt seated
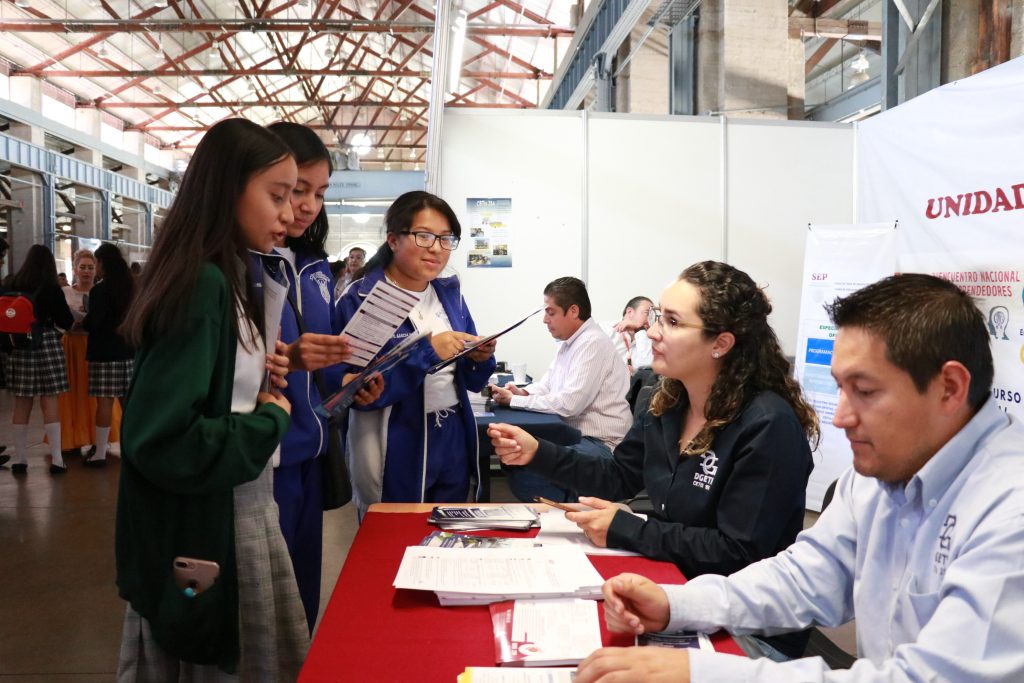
<point>923,542</point>
<point>629,335</point>
<point>586,385</point>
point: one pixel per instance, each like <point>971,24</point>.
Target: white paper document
<point>546,632</point>
<point>481,674</point>
<point>482,576</point>
<point>382,312</point>
<point>480,342</point>
<point>557,531</point>
<point>274,295</point>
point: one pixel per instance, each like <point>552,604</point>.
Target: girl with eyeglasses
<point>418,441</point>
<point>723,448</point>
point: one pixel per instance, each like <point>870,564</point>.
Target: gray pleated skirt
<point>274,634</point>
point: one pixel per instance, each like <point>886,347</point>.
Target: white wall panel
<point>654,204</point>
<point>782,176</point>
<point>536,158</point>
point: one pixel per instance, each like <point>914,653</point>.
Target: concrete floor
<point>60,616</point>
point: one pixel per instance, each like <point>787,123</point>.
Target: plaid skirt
<point>110,378</point>
<point>38,372</point>
<point>273,630</point>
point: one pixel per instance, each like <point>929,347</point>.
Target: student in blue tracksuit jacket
<point>418,441</point>
<point>303,262</point>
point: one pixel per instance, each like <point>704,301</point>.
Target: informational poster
<point>839,259</point>
<point>946,164</point>
<point>490,232</point>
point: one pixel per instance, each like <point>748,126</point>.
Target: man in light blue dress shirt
<point>923,542</point>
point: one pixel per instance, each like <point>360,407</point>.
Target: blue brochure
<point>337,402</point>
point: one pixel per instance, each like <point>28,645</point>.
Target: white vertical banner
<point>839,259</point>
<point>946,164</point>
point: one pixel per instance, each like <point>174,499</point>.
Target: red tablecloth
<point>374,632</point>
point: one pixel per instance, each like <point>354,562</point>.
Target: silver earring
<point>715,354</point>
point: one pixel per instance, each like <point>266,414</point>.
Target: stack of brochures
<point>446,539</point>
<point>677,640</point>
<point>508,517</point>
<point>478,402</point>
<point>480,576</point>
<point>483,674</point>
<point>556,530</point>
<point>544,632</point>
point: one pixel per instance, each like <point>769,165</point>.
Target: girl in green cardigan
<point>199,433</point>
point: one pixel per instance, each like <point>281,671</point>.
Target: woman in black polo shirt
<point>722,450</point>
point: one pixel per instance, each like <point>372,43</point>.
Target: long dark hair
<point>38,270</point>
<point>117,279</point>
<point>201,226</point>
<point>399,218</point>
<point>308,148</point>
<point>731,302</point>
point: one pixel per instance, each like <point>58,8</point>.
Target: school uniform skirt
<point>38,372</point>
<point>110,378</point>
<point>272,624</point>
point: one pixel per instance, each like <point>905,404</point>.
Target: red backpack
<point>18,324</point>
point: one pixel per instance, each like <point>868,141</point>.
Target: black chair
<point>641,387</point>
<point>818,644</point>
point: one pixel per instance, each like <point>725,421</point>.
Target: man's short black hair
<point>3,247</point>
<point>566,291</point>
<point>924,321</point>
<point>635,302</point>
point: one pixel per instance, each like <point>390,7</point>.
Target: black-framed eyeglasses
<point>427,239</point>
<point>655,316</point>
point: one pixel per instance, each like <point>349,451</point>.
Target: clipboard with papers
<point>381,365</point>
<point>486,340</point>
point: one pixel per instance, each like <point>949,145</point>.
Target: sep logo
<point>709,468</point>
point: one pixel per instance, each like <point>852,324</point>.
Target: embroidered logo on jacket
<point>709,468</point>
<point>945,543</point>
<point>324,283</point>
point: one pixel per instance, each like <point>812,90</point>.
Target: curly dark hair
<point>730,301</point>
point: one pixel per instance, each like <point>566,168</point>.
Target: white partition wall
<point>782,176</point>
<point>653,204</point>
<point>536,158</point>
<point>629,201</point>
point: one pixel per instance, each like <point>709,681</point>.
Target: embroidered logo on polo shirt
<point>945,544</point>
<point>709,468</point>
<point>323,282</point>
